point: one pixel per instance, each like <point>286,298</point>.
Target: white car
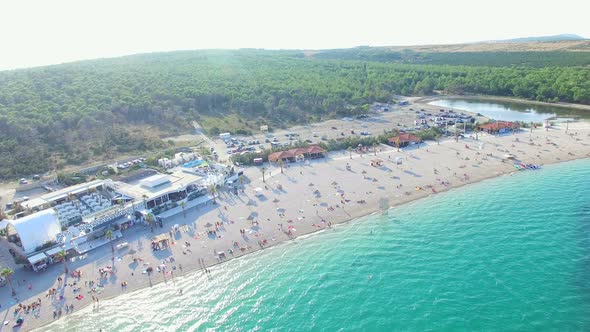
<point>23,181</point>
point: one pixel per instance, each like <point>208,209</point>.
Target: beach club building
<point>403,140</point>
<point>499,127</point>
<point>298,154</point>
<point>76,218</point>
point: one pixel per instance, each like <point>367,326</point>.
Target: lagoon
<point>511,111</point>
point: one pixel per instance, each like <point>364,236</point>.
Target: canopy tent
<point>160,238</point>
<point>36,229</point>
<point>38,261</point>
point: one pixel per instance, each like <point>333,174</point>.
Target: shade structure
<point>36,229</point>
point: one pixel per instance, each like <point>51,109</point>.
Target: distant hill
<point>501,54</point>
<point>553,38</point>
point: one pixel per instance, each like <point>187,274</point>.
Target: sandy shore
<point>304,199</point>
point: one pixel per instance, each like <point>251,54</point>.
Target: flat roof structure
<point>36,258</point>
<point>54,251</point>
<point>159,185</point>
<point>155,181</point>
<point>63,193</point>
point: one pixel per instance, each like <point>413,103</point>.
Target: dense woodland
<point>94,110</point>
<point>495,59</point>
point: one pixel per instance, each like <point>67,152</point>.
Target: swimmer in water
<point>370,276</point>
<point>180,291</point>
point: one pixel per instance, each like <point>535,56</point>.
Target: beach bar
<point>298,154</point>
<point>499,127</point>
<point>403,140</point>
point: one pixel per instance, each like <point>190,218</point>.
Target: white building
<point>35,230</point>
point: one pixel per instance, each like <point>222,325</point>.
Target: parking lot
<point>407,118</point>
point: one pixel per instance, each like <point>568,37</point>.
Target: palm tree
<point>183,206</point>
<point>280,162</point>
<point>263,171</point>
<point>144,196</point>
<point>241,179</point>
<point>63,256</point>
<point>213,190</point>
<point>349,149</point>
<point>109,235</point>
<point>149,218</point>
<point>7,273</point>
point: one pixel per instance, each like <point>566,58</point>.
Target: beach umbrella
<point>276,200</point>
<point>132,252</point>
<point>311,184</point>
<point>280,210</point>
<point>208,225</point>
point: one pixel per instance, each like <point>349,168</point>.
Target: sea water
<point>511,253</point>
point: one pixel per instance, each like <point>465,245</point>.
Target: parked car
<point>23,181</point>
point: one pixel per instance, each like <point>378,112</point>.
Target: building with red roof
<point>312,152</point>
<point>403,139</point>
<point>499,127</point>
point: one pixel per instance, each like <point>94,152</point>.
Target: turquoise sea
<point>508,254</point>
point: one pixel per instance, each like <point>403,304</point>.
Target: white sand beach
<point>302,199</point>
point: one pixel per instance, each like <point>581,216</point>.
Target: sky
<point>34,33</point>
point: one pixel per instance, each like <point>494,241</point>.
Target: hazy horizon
<point>45,33</point>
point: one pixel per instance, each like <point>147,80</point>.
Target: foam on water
<point>505,254</point>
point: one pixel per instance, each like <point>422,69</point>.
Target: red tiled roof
<point>295,152</point>
<point>315,149</point>
<point>404,137</point>
<point>280,155</point>
<point>499,125</point>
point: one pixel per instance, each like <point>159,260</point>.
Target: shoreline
<point>372,206</point>
<point>309,235</point>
